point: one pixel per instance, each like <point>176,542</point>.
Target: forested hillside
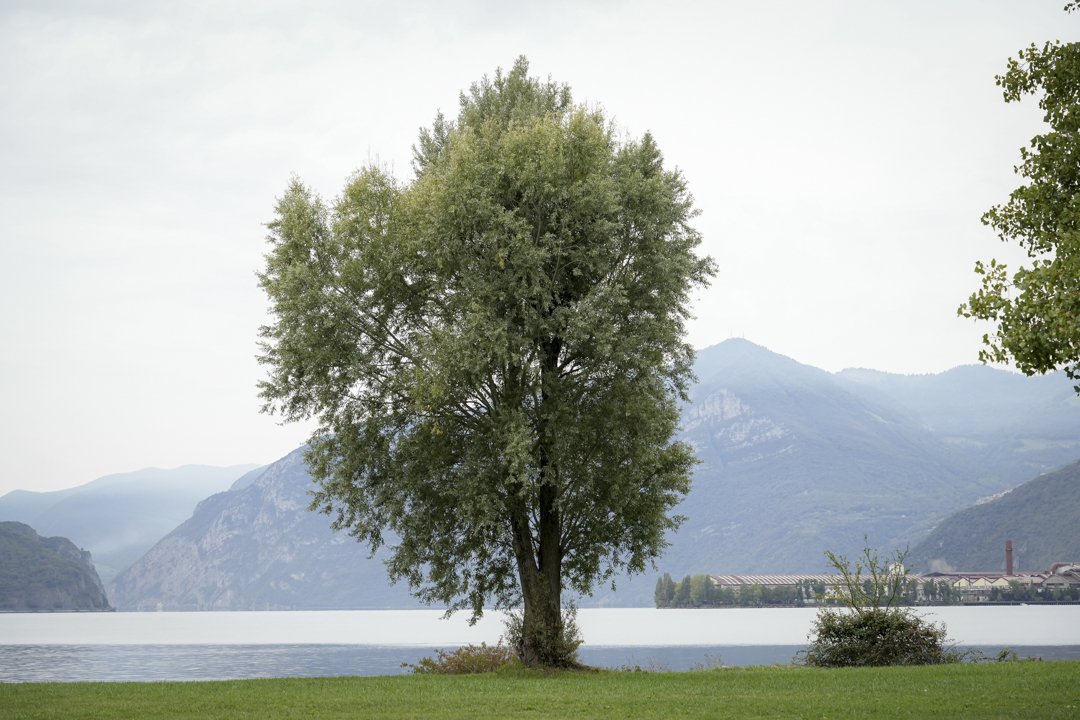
<point>1041,517</point>
<point>45,574</point>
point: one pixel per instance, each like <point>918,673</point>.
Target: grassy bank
<point>1035,690</point>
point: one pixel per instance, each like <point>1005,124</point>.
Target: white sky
<point>841,152</point>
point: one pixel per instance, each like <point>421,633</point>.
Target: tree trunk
<point>543,640</point>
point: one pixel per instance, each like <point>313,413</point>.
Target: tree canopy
<point>494,351</point>
<point>1037,308</point>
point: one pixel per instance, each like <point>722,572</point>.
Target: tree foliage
<point>873,582</point>
<point>494,351</point>
<point>1037,308</point>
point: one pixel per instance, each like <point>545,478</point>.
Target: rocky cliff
<point>258,548</point>
<point>46,574</point>
<point>119,517</point>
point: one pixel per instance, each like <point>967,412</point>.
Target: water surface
<point>630,627</point>
<point>231,645</point>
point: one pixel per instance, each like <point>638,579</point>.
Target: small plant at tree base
<point>465,660</point>
<point>563,641</point>
<point>1009,655</point>
<point>872,630</point>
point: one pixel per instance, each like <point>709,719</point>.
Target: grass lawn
<point>1005,690</point>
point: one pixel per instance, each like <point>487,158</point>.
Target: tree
<point>669,589</point>
<point>665,591</point>
<point>1037,309</point>
<point>701,590</point>
<point>494,351</point>
<point>929,590</point>
<point>682,593</point>
<point>874,582</point>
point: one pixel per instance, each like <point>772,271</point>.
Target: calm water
<point>208,646</point>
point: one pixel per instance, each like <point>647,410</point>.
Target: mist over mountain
<point>794,461</point>
<point>1009,422</point>
<point>119,517</point>
<point>257,547</point>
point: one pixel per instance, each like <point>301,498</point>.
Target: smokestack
<point>1008,557</point>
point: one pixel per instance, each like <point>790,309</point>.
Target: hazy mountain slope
<point>258,547</point>
<point>25,505</point>
<point>792,464</point>
<point>978,400</point>
<point>248,478</point>
<point>1008,423</point>
<point>45,574</point>
<point>119,517</point>
<point>1041,517</point>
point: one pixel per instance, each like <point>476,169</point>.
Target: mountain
<point>794,461</point>
<point>46,574</point>
<point>119,517</point>
<point>1016,425</point>
<point>258,547</point>
<point>1041,517</point>
<point>248,478</point>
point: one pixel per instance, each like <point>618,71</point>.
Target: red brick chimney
<point>1008,557</point>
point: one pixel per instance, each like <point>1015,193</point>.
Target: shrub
<point>873,630</point>
<point>465,660</point>
<point>876,637</point>
<point>564,644</point>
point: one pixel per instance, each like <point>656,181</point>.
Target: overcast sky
<point>841,153</point>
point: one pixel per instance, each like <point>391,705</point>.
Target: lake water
<point>225,645</point>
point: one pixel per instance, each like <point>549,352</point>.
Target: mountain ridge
<point>258,547</point>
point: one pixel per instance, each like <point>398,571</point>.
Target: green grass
<point>1036,690</point>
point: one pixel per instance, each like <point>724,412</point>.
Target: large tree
<point>1037,308</point>
<point>494,351</point>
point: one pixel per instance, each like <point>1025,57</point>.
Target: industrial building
<point>972,586</point>
<point>977,586</point>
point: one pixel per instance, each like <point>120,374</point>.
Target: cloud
<point>841,153</point>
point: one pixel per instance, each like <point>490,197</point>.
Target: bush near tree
<point>872,628</point>
<point>466,660</point>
